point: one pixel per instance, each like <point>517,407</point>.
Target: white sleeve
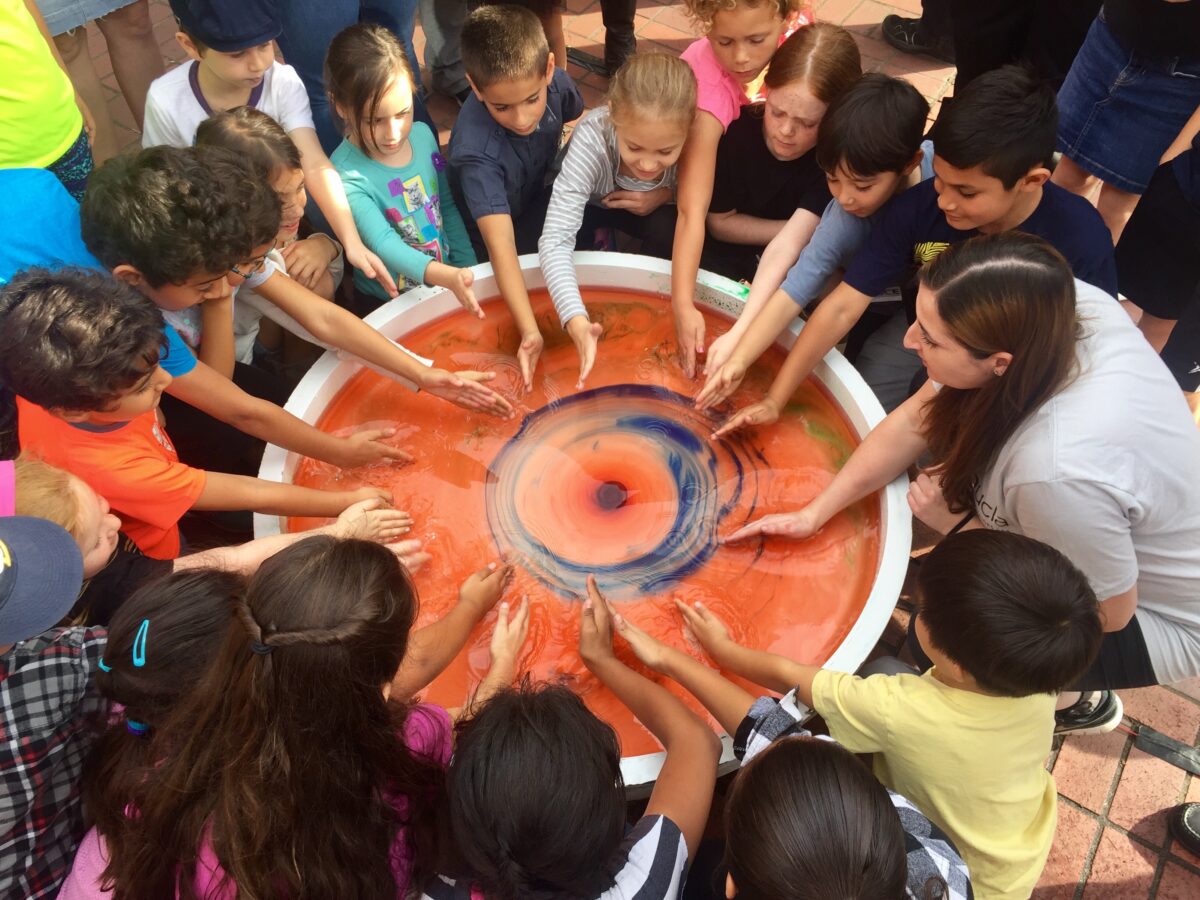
<point>291,106</point>
<point>1088,522</point>
<point>583,168</point>
<point>158,127</point>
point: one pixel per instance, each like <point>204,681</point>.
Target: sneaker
<point>1096,712</point>
<point>1184,822</point>
<point>908,35</point>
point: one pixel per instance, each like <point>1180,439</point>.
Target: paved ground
<point>1112,840</point>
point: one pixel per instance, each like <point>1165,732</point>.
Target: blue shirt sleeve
<point>837,238</point>
<point>177,358</point>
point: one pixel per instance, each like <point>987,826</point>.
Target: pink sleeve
<point>83,882</point>
<point>715,90</point>
<point>428,732</point>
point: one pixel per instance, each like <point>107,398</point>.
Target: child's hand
<point>595,627</point>
<point>368,493</point>
<point>482,589</point>
<point>689,331</point>
<point>721,383</point>
<point>649,650</point>
<point>365,447</point>
<point>308,260</point>
<point>764,412</point>
<point>409,553</point>
<point>719,352</point>
<point>372,520</point>
<point>466,389</point>
<point>457,281</point>
<point>796,525</point>
<point>371,266</point>
<point>708,629</point>
<point>527,356</point>
<point>586,335</point>
<point>928,503</point>
<point>509,636</point>
<point>640,203</point>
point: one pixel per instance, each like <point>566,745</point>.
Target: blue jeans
<point>309,26</point>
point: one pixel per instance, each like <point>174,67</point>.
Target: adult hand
<point>928,503</point>
<point>640,203</point>
<point>365,447</point>
<point>595,627</point>
<point>795,525</point>
<point>482,589</point>
<point>509,635</point>
<point>689,331</point>
<point>466,389</point>
<point>721,383</point>
<point>372,520</point>
<point>371,266</point>
<point>585,335</point>
<point>764,412</point>
<point>527,356</point>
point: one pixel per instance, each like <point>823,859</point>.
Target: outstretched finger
<point>743,533</point>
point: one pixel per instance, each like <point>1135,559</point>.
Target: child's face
<point>790,119</point>
<point>241,70</point>
<point>862,195</point>
<point>970,198</point>
<point>744,39</point>
<point>142,397</point>
<point>98,528</point>
<point>387,131</point>
<point>205,286</point>
<point>517,105</point>
<point>288,185</point>
<point>946,360</point>
<point>649,147</point>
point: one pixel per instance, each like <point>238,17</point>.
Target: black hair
<point>807,821</point>
<point>75,339</point>
<point>1005,121</point>
<point>258,140</point>
<point>520,836</point>
<point>503,42</point>
<point>874,127</point>
<point>1012,611</point>
<point>176,213</point>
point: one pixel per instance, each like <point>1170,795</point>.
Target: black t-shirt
<point>127,571</point>
<point>752,181</point>
<point>1155,27</point>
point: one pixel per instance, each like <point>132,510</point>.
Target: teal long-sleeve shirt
<point>404,214</point>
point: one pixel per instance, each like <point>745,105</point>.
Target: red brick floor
<point>1112,839</point>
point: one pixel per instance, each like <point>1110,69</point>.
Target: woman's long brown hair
<point>291,761</point>
<point>1008,292</point>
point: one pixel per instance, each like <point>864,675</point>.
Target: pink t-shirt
<point>427,732</point>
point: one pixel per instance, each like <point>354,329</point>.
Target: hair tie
<point>8,488</point>
<point>104,667</point>
<point>260,648</point>
<point>139,644</point>
<point>138,728</point>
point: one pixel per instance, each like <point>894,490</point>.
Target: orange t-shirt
<point>132,465</point>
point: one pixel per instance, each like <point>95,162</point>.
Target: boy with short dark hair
<point>1008,622</point>
<point>502,147</point>
<point>81,351</point>
<point>991,147</point>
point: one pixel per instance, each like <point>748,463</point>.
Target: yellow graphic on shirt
<point>923,253</point>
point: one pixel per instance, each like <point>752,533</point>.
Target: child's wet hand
<point>373,520</point>
<point>509,634</point>
<point>586,337</point>
<point>460,285</point>
<point>595,626</point>
<point>704,625</point>
<point>795,525</point>
<point>719,352</point>
<point>482,589</point>
<point>370,493</point>
<point>365,447</point>
<point>410,554</point>
<point>466,389</point>
<point>527,356</point>
<point>689,331</point>
<point>764,412</point>
<point>646,648</point>
<point>721,383</point>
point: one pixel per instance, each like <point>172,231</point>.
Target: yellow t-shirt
<point>39,120</point>
<point>973,763</point>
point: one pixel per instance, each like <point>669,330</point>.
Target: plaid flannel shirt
<point>930,851</point>
<point>50,716</point>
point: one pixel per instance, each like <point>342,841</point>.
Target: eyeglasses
<point>260,263</point>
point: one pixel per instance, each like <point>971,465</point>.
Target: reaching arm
<point>742,228</point>
<point>217,348</point>
<point>497,233</point>
<point>223,491</point>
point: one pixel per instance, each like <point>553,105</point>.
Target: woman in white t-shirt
<point>1047,414</point>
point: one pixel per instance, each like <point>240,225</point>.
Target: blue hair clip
<point>138,728</point>
<point>139,644</point>
<point>104,667</point>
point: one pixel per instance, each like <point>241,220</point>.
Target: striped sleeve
<point>651,863</point>
<point>584,168</point>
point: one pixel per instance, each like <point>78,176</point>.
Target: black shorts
<point>1158,256</point>
<point>1182,352</point>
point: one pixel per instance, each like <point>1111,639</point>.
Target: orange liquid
<point>620,479</point>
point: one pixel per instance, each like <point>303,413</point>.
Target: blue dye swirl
<point>707,481</point>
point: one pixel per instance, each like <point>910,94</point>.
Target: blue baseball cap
<point>229,25</point>
<point>41,572</point>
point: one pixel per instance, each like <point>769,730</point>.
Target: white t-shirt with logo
<point>1108,472</point>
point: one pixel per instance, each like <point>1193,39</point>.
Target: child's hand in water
<point>649,650</point>
<point>719,352</point>
<point>365,447</point>
<point>466,389</point>
<point>482,589</point>
<point>372,520</point>
<point>528,354</point>
<point>586,336</point>
<point>509,636</point>
<point>595,627</point>
<point>764,412</point>
<point>795,525</point>
<point>410,554</point>
<point>707,628</point>
<point>457,281</point>
<point>689,331</point>
<point>721,383</point>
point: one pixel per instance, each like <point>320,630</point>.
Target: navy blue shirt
<point>498,172</point>
<point>911,230</point>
